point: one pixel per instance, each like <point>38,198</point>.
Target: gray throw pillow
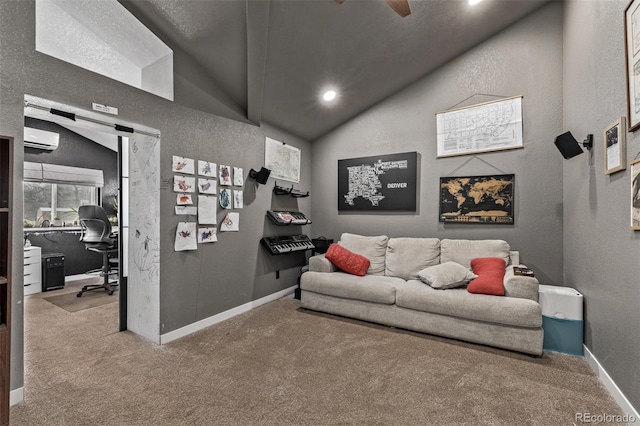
<point>446,275</point>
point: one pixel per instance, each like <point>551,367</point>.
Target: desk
<point>65,240</point>
<point>53,229</point>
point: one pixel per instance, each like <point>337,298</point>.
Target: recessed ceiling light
<point>474,2</point>
<point>329,95</point>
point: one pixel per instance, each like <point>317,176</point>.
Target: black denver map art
<point>385,182</point>
<point>477,199</point>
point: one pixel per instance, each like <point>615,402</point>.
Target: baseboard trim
<point>16,396</point>
<point>199,325</point>
<point>611,386</point>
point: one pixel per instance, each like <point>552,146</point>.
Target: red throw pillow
<point>490,272</point>
<point>346,260</point>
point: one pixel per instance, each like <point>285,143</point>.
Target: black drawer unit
<point>52,271</point>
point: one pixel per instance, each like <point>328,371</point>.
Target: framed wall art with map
<point>477,199</point>
<point>283,160</point>
<point>485,127</point>
<point>379,183</point>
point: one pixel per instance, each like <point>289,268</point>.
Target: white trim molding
<point>199,325</point>
<point>611,386</point>
<point>16,396</point>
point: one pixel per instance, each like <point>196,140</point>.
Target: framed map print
<point>477,199</point>
<point>381,183</point>
<point>485,127</point>
<point>283,160</point>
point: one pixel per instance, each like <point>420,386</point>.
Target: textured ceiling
<point>261,60</point>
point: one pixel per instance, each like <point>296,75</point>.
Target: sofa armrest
<point>520,286</point>
<point>319,263</point>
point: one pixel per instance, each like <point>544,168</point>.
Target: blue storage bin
<point>562,335</point>
<point>562,319</point>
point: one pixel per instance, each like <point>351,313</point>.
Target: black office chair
<point>97,236</point>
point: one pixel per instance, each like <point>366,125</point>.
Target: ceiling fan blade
<point>401,7</point>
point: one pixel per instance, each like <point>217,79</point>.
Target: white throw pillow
<point>446,275</point>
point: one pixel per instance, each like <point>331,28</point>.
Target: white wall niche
<point>105,38</point>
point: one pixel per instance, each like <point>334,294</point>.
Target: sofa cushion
<point>407,256</point>
<point>446,275</point>
<point>347,260</point>
<point>373,248</point>
<point>464,251</point>
<point>490,272</point>
<point>458,302</point>
<point>372,288</point>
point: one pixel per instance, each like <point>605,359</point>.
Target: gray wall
<point>236,269</point>
<point>525,59</point>
<point>193,285</point>
<point>600,252</point>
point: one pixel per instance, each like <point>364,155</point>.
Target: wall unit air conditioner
<point>40,139</point>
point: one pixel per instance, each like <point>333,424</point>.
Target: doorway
<point>137,206</point>
<point>67,167</point>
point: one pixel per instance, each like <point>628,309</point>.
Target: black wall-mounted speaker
<point>568,145</point>
<point>261,176</point>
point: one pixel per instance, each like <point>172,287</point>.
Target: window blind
<point>53,173</point>
<point>32,172</point>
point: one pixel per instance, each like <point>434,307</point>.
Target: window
<point>56,203</point>
<point>53,193</point>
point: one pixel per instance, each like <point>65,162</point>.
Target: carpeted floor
<point>280,365</point>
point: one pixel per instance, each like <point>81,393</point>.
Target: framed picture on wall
<point>381,183</point>
<point>283,160</point>
<point>635,194</point>
<point>615,147</point>
<point>477,199</point>
<point>632,53</point>
<point>486,127</point>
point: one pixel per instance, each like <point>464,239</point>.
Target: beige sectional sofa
<point>391,292</point>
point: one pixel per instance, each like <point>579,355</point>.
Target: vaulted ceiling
<point>261,60</point>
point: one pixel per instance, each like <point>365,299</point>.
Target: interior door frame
<point>122,271</point>
<point>142,313</point>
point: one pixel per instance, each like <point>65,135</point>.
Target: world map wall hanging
<point>477,199</point>
<point>379,183</point>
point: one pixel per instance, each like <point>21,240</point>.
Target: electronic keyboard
<point>287,244</point>
<point>282,218</point>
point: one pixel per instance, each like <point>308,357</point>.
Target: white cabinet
<point>32,270</point>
